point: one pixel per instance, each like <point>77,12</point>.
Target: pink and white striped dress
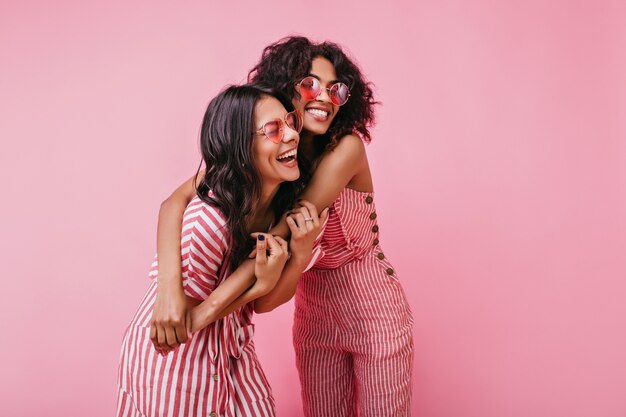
<point>216,373</point>
<point>352,324</point>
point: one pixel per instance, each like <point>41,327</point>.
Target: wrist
<point>300,261</point>
<point>259,289</point>
<point>169,285</point>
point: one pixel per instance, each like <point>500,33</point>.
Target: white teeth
<point>293,153</point>
<point>318,112</point>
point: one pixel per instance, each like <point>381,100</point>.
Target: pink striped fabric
<point>353,325</point>
<point>216,373</point>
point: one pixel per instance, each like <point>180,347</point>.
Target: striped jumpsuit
<point>352,324</point>
<point>216,373</point>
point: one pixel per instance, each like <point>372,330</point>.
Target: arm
<point>170,316</point>
<point>291,275</point>
<point>303,236</point>
<point>169,231</point>
<point>334,172</point>
<point>228,291</point>
<point>228,296</point>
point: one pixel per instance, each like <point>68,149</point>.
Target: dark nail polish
<point>261,238</point>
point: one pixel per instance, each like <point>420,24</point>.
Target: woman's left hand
<point>305,225</point>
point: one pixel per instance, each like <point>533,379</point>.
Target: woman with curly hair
<point>352,323</point>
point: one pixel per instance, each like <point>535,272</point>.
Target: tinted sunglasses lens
<point>294,121</point>
<point>309,88</point>
<point>339,94</point>
<point>273,130</point>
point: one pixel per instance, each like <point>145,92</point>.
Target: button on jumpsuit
<point>352,325</point>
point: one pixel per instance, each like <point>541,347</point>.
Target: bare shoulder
<point>350,148</point>
<point>351,143</point>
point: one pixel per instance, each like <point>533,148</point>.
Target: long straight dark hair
<point>231,173</point>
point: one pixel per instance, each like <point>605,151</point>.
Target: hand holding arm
<point>305,226</point>
<point>230,295</point>
<point>170,323</point>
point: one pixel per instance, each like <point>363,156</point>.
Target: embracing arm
<point>335,171</point>
<point>169,231</point>
<point>243,283</point>
<point>257,293</point>
<point>170,323</point>
<point>303,236</point>
<point>269,293</point>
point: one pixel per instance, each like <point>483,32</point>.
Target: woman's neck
<point>262,212</point>
<point>307,145</point>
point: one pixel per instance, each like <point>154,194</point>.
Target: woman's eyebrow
<point>317,76</point>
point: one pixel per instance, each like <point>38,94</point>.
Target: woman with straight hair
<point>248,140</point>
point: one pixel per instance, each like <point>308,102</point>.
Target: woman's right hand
<point>268,268</point>
<point>171,322</point>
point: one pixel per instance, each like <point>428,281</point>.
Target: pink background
<point>499,163</point>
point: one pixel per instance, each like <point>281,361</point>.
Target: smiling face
<point>275,162</point>
<point>319,112</point>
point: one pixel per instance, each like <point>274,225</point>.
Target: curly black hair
<point>231,173</point>
<point>284,63</point>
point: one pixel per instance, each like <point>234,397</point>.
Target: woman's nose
<point>324,95</point>
<point>290,135</point>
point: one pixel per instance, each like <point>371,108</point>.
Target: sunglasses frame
<point>281,128</point>
<point>299,85</point>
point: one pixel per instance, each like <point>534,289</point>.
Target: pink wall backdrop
<point>500,171</point>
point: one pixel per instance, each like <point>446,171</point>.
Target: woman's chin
<point>317,128</point>
<point>293,176</point>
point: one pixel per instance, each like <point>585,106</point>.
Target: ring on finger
<point>308,219</point>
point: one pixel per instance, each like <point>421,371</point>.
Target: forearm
<point>277,293</point>
<point>284,289</point>
<point>238,283</point>
<point>281,229</point>
<point>169,231</point>
<point>253,293</point>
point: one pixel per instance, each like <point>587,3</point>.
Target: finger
<point>324,216</point>
<point>302,210</point>
<point>299,219</point>
<point>274,246</point>
<point>261,248</point>
<point>308,219</point>
<point>170,337</point>
<point>181,331</point>
<point>293,226</point>
<point>312,212</point>
<point>153,335</point>
<point>305,212</point>
<point>161,337</point>
<point>255,236</point>
<point>283,244</point>
<point>188,324</point>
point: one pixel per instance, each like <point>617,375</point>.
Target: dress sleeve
<point>204,247</point>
